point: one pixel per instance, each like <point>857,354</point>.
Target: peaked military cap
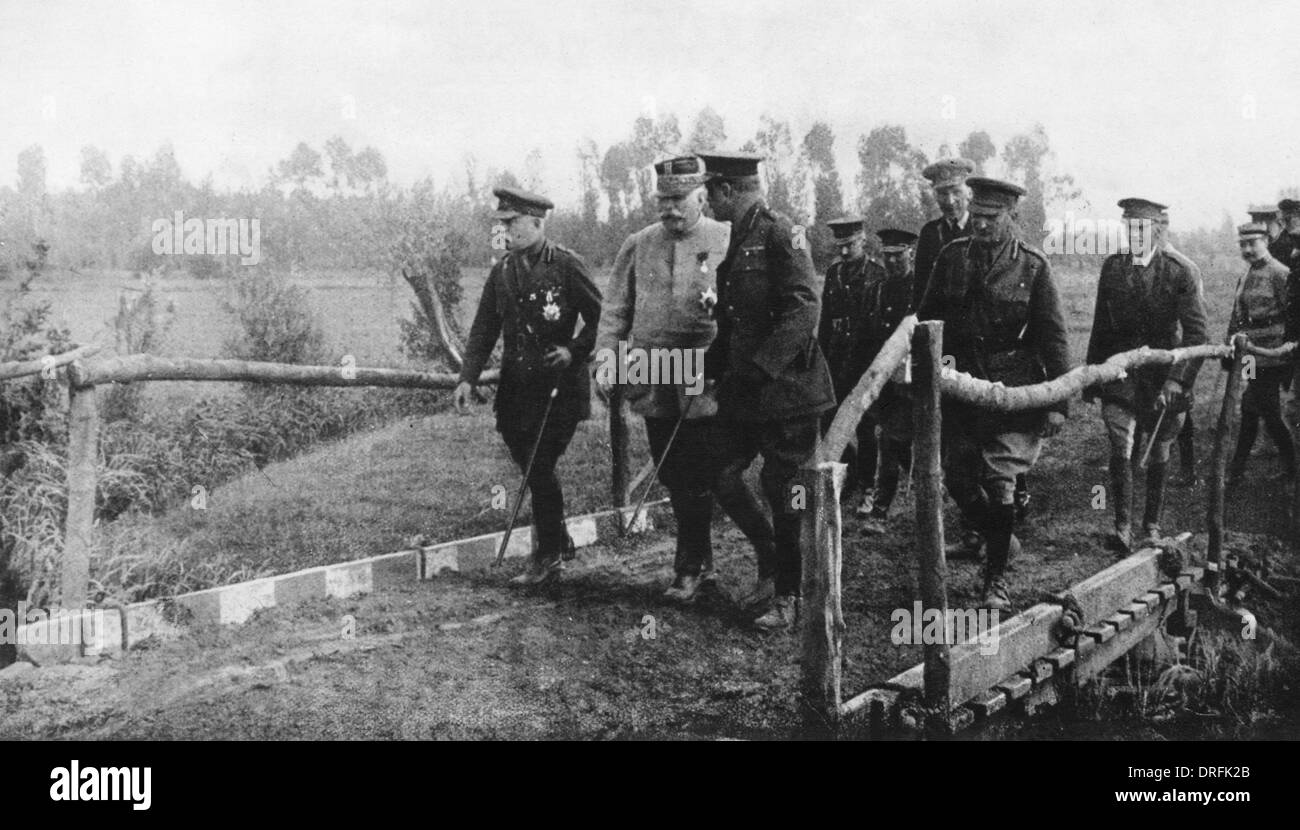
<point>1252,230</point>
<point>1135,208</point>
<point>948,172</point>
<point>512,202</point>
<point>893,239</point>
<point>725,164</point>
<point>1288,206</point>
<point>1262,213</point>
<point>680,175</point>
<point>992,195</point>
<point>846,228</point>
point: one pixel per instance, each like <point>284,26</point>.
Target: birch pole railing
<point>25,368</point>
<point>823,625</point>
<point>83,440</point>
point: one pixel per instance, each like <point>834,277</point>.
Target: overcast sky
<point>1186,102</point>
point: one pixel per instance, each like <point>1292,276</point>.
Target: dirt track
<point>465,657</point>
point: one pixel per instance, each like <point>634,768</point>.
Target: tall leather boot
<point>1246,436</point>
<point>1155,501</point>
<point>1281,436</point>
<point>974,516</point>
<point>1121,488</point>
<point>783,611</point>
<point>693,564</point>
<point>1187,452</point>
<point>1001,543</point>
<point>740,503</point>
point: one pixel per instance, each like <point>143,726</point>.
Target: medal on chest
<point>708,300</point>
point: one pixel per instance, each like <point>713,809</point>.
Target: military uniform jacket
<point>1147,306</point>
<point>662,294</point>
<point>1003,324</point>
<point>533,309</point>
<point>1260,310</point>
<point>769,305</point>
<point>934,235</point>
<point>1285,249</point>
<point>845,307</point>
<point>886,304</point>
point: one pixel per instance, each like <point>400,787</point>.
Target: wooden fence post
<point>1228,416</point>
<point>618,447</point>
<point>83,453</point>
<point>823,621</point>
<point>927,348</point>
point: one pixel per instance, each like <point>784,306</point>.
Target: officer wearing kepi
<point>774,383</point>
<point>844,305</point>
<point>1152,297</point>
<point>661,298</point>
<point>1259,311</point>
<point>887,303</point>
<point>1002,322</point>
<point>533,298</point>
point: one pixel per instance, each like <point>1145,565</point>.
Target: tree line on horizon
<point>335,208</point>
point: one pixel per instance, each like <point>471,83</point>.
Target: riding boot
<point>740,503</point>
<point>1121,487</point>
<point>973,516</point>
<point>1187,451</point>
<point>1246,436</point>
<point>1000,541</point>
<point>1281,436</point>
<point>1155,500</point>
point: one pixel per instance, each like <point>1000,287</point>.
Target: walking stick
<point>1151,442</point>
<point>523,485</point>
<point>650,482</point>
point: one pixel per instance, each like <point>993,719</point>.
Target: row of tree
<point>336,209</point>
<point>321,209</point>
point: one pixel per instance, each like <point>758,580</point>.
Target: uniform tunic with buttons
<point>534,307</point>
<point>934,235</point>
<point>844,309</point>
<point>1002,320</point>
<point>1260,308</point>
<point>662,295</point>
<point>886,304</point>
<point>1160,305</point>
<point>1286,249</point>
<point>769,304</point>
<point>1003,323</point>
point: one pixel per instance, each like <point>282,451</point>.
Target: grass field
<point>372,493</point>
<point>560,663</point>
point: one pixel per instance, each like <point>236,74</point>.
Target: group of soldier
<point>783,347</point>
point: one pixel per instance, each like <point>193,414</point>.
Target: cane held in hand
<point>523,485</point>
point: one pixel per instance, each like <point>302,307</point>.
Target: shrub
<point>277,325</point>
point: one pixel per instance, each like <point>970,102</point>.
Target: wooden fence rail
<point>83,441</point>
<point>24,368</point>
<point>1033,644</point>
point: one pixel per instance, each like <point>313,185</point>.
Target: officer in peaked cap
<point>1003,323</point>
<point>849,279</point>
<point>1286,248</point>
<point>533,298</point>
<point>662,295</point>
<point>1259,311</point>
<point>947,179</point>
<point>773,379</point>
<point>1270,217</point>
<point>1150,296</point>
<point>887,303</point>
